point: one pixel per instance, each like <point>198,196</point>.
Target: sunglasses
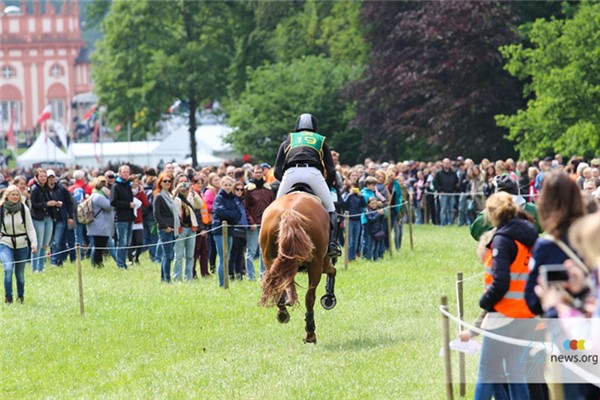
<point>166,181</point>
<point>239,189</point>
<point>110,176</point>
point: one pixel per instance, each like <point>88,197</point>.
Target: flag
<point>10,135</point>
<point>45,115</point>
<point>89,114</point>
<point>95,139</point>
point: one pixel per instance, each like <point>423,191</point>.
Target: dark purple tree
<point>435,80</point>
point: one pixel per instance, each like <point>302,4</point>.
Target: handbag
<point>380,235</point>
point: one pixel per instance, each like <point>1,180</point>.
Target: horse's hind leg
<point>283,316</point>
<point>313,281</point>
<point>328,300</point>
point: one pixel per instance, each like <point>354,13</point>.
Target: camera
<point>186,185</point>
<point>554,273</point>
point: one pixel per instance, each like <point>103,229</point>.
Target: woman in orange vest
<point>506,271</point>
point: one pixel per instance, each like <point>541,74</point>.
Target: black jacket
<point>121,197</point>
<point>40,196</point>
<point>305,155</point>
<point>446,181</point>
<point>65,212</point>
<point>505,252</point>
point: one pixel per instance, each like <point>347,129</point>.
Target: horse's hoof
<point>328,301</point>
<point>310,338</point>
<point>283,317</point>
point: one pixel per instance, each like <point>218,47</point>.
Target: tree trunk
<point>193,105</point>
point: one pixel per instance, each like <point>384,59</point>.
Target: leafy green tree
<point>277,93</point>
<point>154,52</point>
<point>563,115</point>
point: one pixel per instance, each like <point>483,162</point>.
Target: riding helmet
<point>306,122</point>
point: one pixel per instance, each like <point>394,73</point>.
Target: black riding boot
<point>334,247</point>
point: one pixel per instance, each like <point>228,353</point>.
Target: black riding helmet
<point>306,122</point>
<point>504,183</point>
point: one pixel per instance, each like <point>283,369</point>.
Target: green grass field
<point>141,339</point>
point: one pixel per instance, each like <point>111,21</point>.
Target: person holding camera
<point>186,203</point>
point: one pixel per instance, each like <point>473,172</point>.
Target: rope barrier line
<point>534,345</point>
<point>471,277</point>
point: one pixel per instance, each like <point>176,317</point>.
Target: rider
<point>304,157</point>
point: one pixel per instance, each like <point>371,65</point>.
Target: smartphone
<point>186,185</point>
<point>554,273</point>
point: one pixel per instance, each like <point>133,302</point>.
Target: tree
<point>563,114</point>
<point>277,93</point>
<point>435,79</point>
<point>154,52</point>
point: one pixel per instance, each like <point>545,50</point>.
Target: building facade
<point>43,61</point>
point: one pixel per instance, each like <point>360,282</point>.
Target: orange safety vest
<point>204,212</point>
<point>513,303</point>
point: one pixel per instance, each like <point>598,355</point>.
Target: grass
<point>141,339</point>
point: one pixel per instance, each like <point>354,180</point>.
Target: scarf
<point>12,208</point>
<point>176,223</point>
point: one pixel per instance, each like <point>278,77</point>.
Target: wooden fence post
<point>410,226</point>
<point>446,345</point>
<point>461,355</point>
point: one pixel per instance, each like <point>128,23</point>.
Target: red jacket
<point>141,196</point>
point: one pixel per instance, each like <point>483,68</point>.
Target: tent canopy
<point>43,150</point>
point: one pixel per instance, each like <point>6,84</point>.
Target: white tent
<point>43,150</point>
<point>209,143</point>
<point>99,154</point>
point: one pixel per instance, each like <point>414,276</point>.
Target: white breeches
<point>313,178</point>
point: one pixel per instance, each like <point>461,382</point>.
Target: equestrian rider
<point>304,157</point>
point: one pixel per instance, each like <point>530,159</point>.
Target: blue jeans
<point>503,364</point>
<point>446,209</point>
<point>13,260</point>
<point>43,231</point>
<point>219,245</point>
<point>462,210</point>
<point>124,232</point>
<point>353,238</point>
<point>367,246</point>
<point>397,228</point>
<point>59,243</point>
<point>150,239</point>
<point>251,249</point>
<point>184,248</point>
<point>80,237</point>
<point>165,242</point>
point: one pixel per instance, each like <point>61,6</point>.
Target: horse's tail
<point>294,246</point>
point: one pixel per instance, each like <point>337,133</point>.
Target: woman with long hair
<point>210,193</point>
<point>41,203</point>
<point>167,222</point>
<point>238,247</point>
<point>16,230</point>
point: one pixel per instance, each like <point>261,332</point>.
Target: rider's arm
<point>329,165</point>
<point>280,161</point>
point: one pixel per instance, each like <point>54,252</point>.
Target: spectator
<point>374,230</point>
<point>137,230</point>
<point>201,247</point>
<point>41,202</point>
<point>354,203</point>
<point>446,183</point>
<point>80,190</point>
<point>21,183</point>
<point>150,236</point>
<point>121,198</point>
<point>167,222</point>
<point>63,218</point>
<point>257,197</point>
<point>16,230</point>
<point>396,206</point>
<point>224,209</point>
<point>236,258</point>
<point>210,193</point>
<point>186,203</point>
<point>101,228</point>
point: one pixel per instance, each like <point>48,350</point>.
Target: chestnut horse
<point>294,234</point>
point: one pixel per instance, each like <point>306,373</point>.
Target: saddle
<point>304,188</point>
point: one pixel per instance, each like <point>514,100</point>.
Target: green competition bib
<point>310,139</point>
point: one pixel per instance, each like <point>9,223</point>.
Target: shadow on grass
<point>362,343</point>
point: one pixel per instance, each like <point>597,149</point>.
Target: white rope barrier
<point>534,345</point>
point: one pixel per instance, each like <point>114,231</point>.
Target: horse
<point>294,235</point>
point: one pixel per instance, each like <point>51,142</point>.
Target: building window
<point>7,108</point>
<point>8,72</point>
<point>56,71</point>
<point>58,109</point>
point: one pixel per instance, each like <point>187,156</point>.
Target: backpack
<point>85,213</point>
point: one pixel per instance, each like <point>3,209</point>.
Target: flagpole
<point>129,137</point>
<point>101,111</point>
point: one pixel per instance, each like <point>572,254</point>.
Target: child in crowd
<point>374,229</point>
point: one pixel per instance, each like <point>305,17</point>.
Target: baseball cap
<point>265,165</point>
<point>51,172</point>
